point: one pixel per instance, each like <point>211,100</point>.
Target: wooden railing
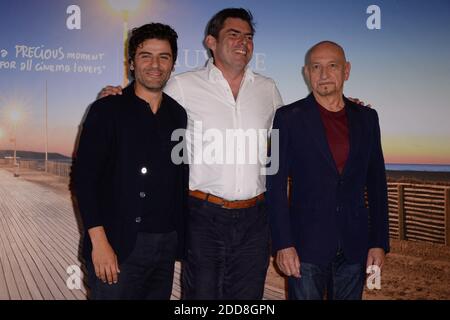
<point>61,169</point>
<point>58,168</point>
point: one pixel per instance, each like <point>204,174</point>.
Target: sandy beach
<point>441,178</point>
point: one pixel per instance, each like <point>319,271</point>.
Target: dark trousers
<point>227,252</point>
<point>340,279</point>
<point>146,274</point>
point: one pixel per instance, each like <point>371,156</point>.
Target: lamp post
<point>1,134</point>
<point>46,127</point>
<point>125,7</point>
<point>15,117</point>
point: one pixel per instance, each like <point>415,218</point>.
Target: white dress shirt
<point>209,101</point>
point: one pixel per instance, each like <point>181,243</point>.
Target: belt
<point>227,204</point>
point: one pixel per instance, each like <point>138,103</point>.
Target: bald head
<point>326,69</point>
<point>325,46</point>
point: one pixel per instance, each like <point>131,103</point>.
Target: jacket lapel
<point>354,133</point>
<point>314,125</point>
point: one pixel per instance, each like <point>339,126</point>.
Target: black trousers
<point>146,274</point>
<point>227,252</point>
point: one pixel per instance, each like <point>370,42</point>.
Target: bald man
<point>326,237</point>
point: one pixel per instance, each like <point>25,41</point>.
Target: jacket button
<point>138,220</point>
<point>142,194</point>
<point>144,170</point>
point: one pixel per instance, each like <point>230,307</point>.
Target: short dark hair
<point>152,31</point>
<point>216,23</point>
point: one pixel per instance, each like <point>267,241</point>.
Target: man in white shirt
<point>227,229</point>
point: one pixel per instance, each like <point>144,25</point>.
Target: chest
<point>216,108</point>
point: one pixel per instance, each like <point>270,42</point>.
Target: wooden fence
<point>419,212</point>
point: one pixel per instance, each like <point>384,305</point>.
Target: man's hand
<point>288,262</point>
<point>104,258</point>
<point>357,101</point>
<point>109,91</point>
<point>376,256</point>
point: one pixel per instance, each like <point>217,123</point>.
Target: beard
<point>326,89</point>
<point>153,85</point>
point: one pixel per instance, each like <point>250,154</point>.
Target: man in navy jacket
<point>130,191</point>
<point>325,237</point>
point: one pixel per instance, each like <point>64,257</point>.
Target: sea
<point>418,167</point>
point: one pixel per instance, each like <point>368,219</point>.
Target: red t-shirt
<point>336,129</point>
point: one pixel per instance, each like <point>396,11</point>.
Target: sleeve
<point>277,100</point>
<point>93,152</point>
<point>174,90</point>
<point>377,192</point>
<point>277,198</point>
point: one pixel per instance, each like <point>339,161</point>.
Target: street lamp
<point>15,117</point>
<point>125,7</point>
<point>1,134</point>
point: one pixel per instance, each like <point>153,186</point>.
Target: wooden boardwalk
<point>40,239</point>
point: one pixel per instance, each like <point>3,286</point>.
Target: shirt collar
<point>214,74</point>
<point>129,92</point>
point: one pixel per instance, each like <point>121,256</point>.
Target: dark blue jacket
<point>327,209</point>
<point>108,175</point>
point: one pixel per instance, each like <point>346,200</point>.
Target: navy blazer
<point>327,209</point>
<point>107,171</point>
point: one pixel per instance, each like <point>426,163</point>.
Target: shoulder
<point>104,107</point>
<point>364,111</point>
<point>259,78</point>
<point>189,75</point>
<point>294,108</point>
<point>175,108</point>
<point>177,84</point>
<point>173,104</point>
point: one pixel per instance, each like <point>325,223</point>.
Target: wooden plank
<point>26,263</point>
<point>424,189</point>
<point>14,277</point>
<point>14,212</point>
<point>447,216</point>
<point>401,214</point>
<point>59,259</point>
<point>34,237</point>
<point>425,226</point>
<point>4,293</point>
<point>438,202</point>
<point>424,237</point>
<point>436,213</point>
<point>49,288</point>
<point>44,265</point>
<point>428,207</point>
<point>412,229</point>
<point>427,221</point>
<point>51,230</point>
<point>425,215</point>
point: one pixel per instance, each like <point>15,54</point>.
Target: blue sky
<point>402,69</point>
